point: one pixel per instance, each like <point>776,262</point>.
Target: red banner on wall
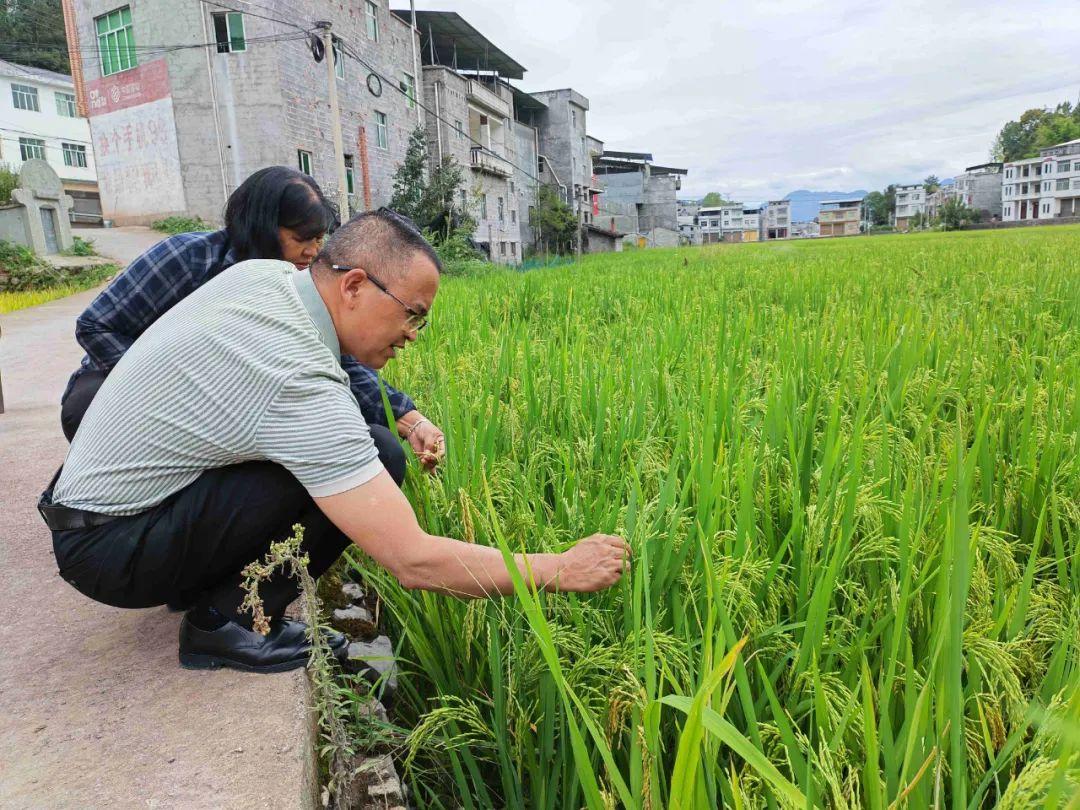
<point>145,83</point>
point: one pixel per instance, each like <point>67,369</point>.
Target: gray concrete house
<point>639,197</point>
<point>464,78</point>
<point>176,131</point>
<point>979,187</point>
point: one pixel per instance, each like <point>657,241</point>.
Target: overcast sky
<point>761,97</point>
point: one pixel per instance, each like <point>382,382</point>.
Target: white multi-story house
<point>776,220</point>
<point>751,218</point>
<point>1046,187</point>
<point>910,203</point>
<point>689,230</point>
<point>39,119</point>
<point>721,223</point>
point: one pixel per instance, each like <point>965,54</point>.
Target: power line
<point>12,128</point>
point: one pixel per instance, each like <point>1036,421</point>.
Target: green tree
<point>954,214</point>
<point>429,198</point>
<point>931,184</point>
<point>32,33</point>
<point>409,181</point>
<point>878,206</point>
<point>712,199</point>
<point>1037,128</point>
<point>556,221</point>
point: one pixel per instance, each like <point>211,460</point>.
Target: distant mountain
<point>804,204</point>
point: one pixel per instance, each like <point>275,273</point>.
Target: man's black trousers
<point>193,546</point>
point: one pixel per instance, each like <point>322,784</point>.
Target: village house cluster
<point>153,129</point>
<point>146,128</point>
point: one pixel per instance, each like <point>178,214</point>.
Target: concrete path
<point>94,709</point>
<point>121,244</point>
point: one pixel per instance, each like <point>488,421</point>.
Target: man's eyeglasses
<point>416,321</point>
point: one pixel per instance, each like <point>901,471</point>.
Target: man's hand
<point>426,440</point>
<point>592,564</point>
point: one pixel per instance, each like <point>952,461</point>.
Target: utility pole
<point>413,35</point>
<point>335,118</point>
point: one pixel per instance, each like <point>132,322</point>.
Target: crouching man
<point>230,419</point>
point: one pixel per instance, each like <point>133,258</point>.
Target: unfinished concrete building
<point>176,131</point>
<point>638,197</point>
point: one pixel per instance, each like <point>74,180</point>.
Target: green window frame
<point>350,181</point>
<point>382,137</point>
<point>229,32</point>
<point>32,148</point>
<point>74,155</point>
<point>65,105</point>
<point>371,15</point>
<point>303,161</point>
<point>116,42</point>
<point>25,97</point>
<point>339,58</point>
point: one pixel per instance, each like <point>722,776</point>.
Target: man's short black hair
<point>272,198</point>
<point>381,242</point>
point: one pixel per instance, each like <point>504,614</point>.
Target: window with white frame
<point>25,97</point>
<point>116,41</point>
<point>460,130</point>
<point>1064,166</point>
<point>229,32</point>
<point>74,155</point>
<point>382,137</point>
<point>65,104</point>
<point>31,148</point>
<point>371,16</point>
<point>339,58</point>
<point>1063,185</point>
<point>303,161</point>
<point>408,87</point>
<point>1076,182</point>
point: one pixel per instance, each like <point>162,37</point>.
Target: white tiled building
<point>1046,187</point>
<point>910,203</point>
<point>776,220</point>
<point>721,223</point>
<point>39,119</point>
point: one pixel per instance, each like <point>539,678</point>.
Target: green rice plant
<point>850,474</point>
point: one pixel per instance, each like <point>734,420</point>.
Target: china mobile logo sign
<point>141,85</point>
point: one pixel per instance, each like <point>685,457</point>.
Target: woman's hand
<point>426,440</point>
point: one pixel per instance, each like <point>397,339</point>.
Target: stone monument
<point>38,214</point>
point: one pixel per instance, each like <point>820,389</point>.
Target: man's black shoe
<point>335,640</point>
<point>285,647</point>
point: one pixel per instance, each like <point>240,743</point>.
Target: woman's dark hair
<point>272,198</point>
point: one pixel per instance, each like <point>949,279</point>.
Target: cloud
<point>758,99</point>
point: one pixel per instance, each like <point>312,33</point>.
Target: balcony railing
<point>485,161</point>
<point>486,98</point>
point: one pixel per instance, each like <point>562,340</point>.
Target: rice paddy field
<point>850,473</point>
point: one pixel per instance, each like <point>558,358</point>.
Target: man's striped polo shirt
<point>245,368</point>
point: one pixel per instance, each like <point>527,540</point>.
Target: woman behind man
<point>277,213</point>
